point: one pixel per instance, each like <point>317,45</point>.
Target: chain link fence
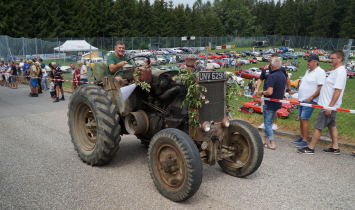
<point>19,48</point>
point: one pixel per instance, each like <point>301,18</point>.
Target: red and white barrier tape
<point>58,80</point>
<point>249,96</point>
<point>302,104</point>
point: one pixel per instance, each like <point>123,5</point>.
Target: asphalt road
<point>39,169</point>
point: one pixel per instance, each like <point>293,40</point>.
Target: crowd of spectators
<point>40,77</point>
<point>9,74</point>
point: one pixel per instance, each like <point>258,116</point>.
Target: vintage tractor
<point>100,115</point>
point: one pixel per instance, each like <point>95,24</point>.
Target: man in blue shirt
<point>275,88</point>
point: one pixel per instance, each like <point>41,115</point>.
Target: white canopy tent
<point>75,46</point>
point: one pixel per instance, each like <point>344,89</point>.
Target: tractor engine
<point>162,106</point>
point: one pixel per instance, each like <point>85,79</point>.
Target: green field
<point>346,121</point>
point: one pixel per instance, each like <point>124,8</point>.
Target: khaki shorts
<point>325,120</point>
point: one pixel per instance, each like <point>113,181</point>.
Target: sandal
<point>270,147</point>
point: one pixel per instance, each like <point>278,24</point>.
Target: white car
<point>256,70</point>
<point>178,50</point>
<point>290,68</point>
<point>243,61</point>
<point>211,66</point>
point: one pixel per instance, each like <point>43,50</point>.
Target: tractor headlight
<point>225,122</point>
<point>206,126</point>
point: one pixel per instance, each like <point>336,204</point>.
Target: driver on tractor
<point>116,61</point>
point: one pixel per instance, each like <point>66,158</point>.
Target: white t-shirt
<point>51,87</point>
<point>335,79</point>
<point>82,74</point>
<point>44,73</point>
<point>310,82</point>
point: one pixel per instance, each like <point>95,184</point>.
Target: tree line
<point>140,18</point>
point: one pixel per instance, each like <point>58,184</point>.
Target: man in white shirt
<point>308,93</point>
<point>83,73</point>
<point>331,95</point>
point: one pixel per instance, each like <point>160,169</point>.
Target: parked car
<point>350,73</point>
<point>255,107</point>
<point>252,60</point>
<point>290,68</point>
<point>250,74</point>
<point>324,59</point>
<point>244,61</point>
<point>255,70</point>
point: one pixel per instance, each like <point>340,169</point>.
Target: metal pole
<point>23,47</point>
<point>348,49</point>
<point>36,47</point>
<point>8,48</point>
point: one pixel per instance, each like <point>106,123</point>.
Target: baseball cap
<point>313,57</point>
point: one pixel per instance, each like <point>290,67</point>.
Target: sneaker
<point>261,126</point>
<point>335,151</point>
<point>62,98</point>
<point>302,144</point>
<point>274,127</point>
<point>306,150</point>
<point>56,100</point>
<point>298,140</point>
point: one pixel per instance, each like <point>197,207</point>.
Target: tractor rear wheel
<point>93,125</point>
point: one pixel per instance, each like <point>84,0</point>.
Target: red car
<point>255,106</point>
<point>249,74</point>
<point>287,106</point>
<point>350,74</point>
<point>252,60</point>
<point>264,67</point>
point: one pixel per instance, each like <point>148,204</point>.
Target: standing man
<point>33,79</point>
<point>331,95</point>
<point>58,81</point>
<point>263,78</point>
<point>44,75</point>
<point>308,93</point>
<point>76,76</point>
<point>275,88</point>
<point>83,73</point>
<point>116,61</point>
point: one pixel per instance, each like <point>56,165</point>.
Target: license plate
<point>211,76</point>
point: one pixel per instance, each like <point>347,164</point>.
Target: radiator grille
<point>216,108</point>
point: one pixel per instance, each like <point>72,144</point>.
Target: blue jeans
<point>268,117</point>
<point>305,112</point>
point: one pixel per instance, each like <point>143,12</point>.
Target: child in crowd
<point>52,90</point>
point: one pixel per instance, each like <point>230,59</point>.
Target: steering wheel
<point>135,65</point>
<point>129,72</point>
<point>139,56</point>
